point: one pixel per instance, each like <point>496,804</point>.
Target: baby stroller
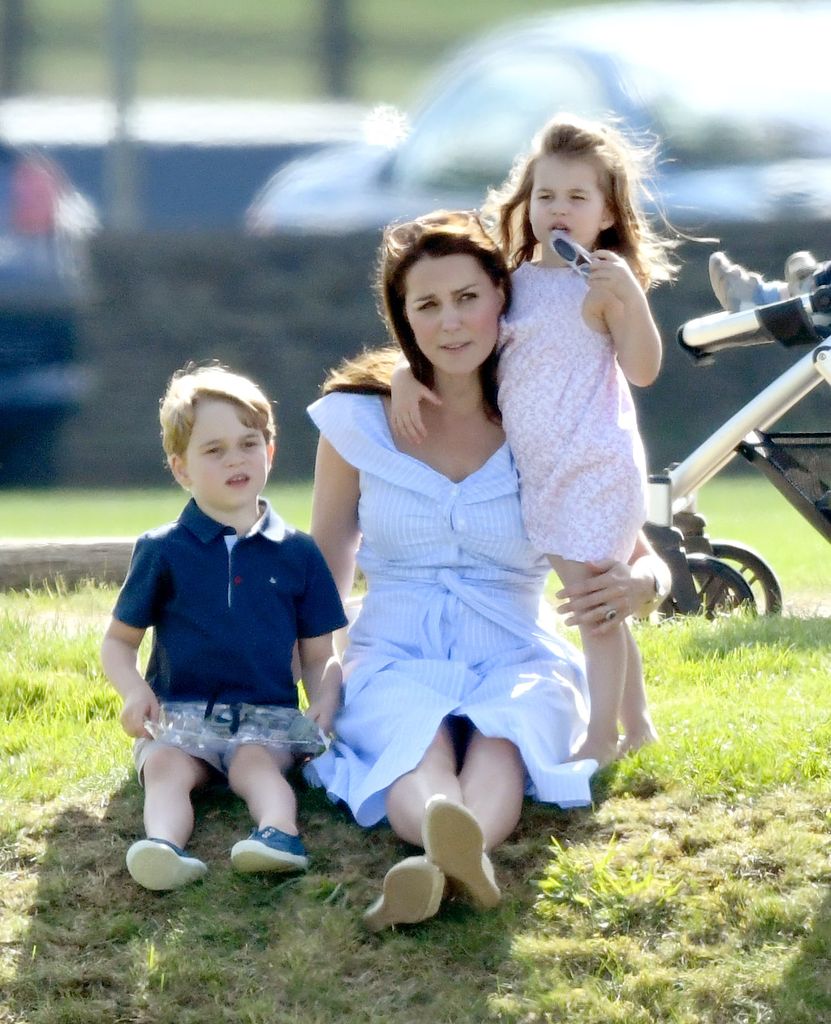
<point>713,577</point>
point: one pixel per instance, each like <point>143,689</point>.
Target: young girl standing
<point>570,344</point>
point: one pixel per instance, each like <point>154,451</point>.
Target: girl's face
<point>453,308</point>
<point>566,194</point>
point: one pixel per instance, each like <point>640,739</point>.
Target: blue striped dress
<point>453,623</point>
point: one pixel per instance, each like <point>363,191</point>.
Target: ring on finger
<point>610,615</point>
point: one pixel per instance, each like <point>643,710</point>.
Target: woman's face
<point>453,308</point>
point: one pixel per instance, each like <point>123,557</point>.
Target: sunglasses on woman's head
<point>570,252</point>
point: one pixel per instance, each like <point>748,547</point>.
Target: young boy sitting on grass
<point>228,589</point>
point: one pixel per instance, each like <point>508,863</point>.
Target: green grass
<point>253,48</point>
<point>695,892</point>
<point>750,510</point>
<point>119,513</point>
<point>746,509</point>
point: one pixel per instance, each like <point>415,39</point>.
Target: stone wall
<point>285,309</point>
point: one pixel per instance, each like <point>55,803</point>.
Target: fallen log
<point>40,563</point>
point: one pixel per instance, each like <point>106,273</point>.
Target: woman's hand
<point>610,594</point>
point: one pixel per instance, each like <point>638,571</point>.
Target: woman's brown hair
<point>437,234</point>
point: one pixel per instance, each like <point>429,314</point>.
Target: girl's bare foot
<point>633,739</point>
<point>604,752</point>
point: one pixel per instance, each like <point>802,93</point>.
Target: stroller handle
<point>790,322</point>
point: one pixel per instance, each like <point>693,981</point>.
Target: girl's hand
<point>616,305</point>
<point>406,397</point>
<point>612,587</point>
<point>139,707</point>
<point>612,273</point>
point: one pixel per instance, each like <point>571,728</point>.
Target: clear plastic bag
<point>185,724</point>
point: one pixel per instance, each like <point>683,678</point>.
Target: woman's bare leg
<point>493,784</point>
<point>407,796</point>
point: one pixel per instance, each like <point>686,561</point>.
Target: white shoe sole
<point>249,855</point>
<point>413,891</point>
<point>155,866</point>
<point>453,842</point>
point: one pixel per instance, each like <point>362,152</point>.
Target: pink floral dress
<point>570,421</point>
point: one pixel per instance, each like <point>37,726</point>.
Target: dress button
<point>238,580</point>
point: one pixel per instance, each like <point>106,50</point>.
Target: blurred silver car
<point>737,94</point>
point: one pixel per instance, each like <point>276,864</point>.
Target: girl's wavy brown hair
<point>622,169</point>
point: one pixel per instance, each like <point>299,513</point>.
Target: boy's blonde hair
<point>622,171</point>
<point>177,409</point>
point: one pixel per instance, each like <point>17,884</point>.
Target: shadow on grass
<point>803,996</point>
<point>236,947</point>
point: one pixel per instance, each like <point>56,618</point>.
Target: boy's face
<point>226,463</point>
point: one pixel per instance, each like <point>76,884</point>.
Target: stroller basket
<point>799,465</point>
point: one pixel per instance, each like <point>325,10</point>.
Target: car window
<point>756,91</point>
<point>758,125</point>
<point>467,139</point>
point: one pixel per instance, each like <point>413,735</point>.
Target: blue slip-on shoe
<point>269,849</point>
<point>157,864</point>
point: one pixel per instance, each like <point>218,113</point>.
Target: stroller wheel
<point>759,576</point>
<point>720,588</point>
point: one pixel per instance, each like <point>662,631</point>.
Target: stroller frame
<point>714,577</point>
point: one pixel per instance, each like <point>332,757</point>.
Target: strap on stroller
<point>792,322</point>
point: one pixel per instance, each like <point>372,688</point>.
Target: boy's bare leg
<point>258,776</point>
<point>170,776</point>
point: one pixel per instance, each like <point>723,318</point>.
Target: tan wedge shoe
<point>453,842</point>
<point>412,892</point>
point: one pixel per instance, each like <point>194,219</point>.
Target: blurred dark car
<point>44,227</point>
<point>738,95</point>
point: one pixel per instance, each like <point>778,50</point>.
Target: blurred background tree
<point>14,43</point>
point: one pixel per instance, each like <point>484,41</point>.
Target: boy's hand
<point>322,712</point>
<point>138,708</point>
<point>406,395</point>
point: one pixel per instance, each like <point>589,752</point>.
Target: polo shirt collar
<point>270,525</point>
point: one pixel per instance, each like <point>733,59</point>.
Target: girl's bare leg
<point>257,775</point>
<point>638,729</point>
<point>605,672</point>
<point>170,776</point>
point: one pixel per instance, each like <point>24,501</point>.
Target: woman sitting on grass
<point>459,697</point>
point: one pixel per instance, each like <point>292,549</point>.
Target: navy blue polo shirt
<point>225,622</point>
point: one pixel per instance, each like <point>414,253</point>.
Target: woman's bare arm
<point>335,514</point>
